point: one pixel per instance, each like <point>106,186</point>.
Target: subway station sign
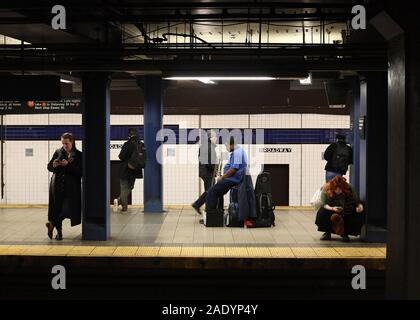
<point>276,150</point>
<point>66,105</point>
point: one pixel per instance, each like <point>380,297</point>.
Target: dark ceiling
<point>129,38</point>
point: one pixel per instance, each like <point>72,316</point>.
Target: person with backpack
<point>339,156</point>
<point>133,159</point>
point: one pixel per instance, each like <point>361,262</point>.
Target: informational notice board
<point>66,105</point>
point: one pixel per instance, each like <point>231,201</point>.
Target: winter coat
<point>66,184</point>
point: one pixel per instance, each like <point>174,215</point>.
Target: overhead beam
<point>283,49</point>
<point>22,4</point>
<point>164,17</point>
<point>153,66</point>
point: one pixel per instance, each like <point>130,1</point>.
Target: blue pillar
<point>96,161</point>
<point>153,87</point>
<point>372,157</point>
<point>355,143</point>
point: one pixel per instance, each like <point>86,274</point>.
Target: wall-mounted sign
<point>29,152</point>
<point>170,152</point>
<point>33,107</point>
<point>115,146</point>
<point>276,150</point>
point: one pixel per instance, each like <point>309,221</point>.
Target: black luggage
<point>214,218</point>
<point>232,216</point>
<point>264,202</point>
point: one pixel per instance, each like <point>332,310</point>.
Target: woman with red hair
<point>341,211</point>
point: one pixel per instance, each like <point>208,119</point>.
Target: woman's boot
<point>59,235</point>
<point>50,228</point>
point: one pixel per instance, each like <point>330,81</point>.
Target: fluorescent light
<point>207,81</point>
<point>211,79</point>
<point>306,81</point>
<point>66,81</point>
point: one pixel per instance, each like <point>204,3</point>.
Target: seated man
<point>232,174</point>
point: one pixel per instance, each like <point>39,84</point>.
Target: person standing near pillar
<point>133,159</point>
<point>207,166</point>
<point>65,187</point>
<point>339,156</point>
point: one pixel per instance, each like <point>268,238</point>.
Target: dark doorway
<point>115,181</point>
<point>279,183</point>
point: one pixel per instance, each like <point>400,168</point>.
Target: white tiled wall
<point>25,119</point>
<point>27,178</point>
<point>238,121</point>
<point>184,121</point>
<point>276,121</point>
<point>68,119</point>
<point>325,121</point>
<point>122,119</point>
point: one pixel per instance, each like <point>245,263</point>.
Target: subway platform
<point>161,253</point>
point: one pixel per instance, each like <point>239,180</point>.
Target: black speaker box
<point>30,87</point>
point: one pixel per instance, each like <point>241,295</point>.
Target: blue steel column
<point>153,87</point>
<point>96,161</point>
<point>355,116</point>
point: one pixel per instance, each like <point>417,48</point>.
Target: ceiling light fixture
<point>212,79</point>
<point>306,81</point>
<point>66,81</point>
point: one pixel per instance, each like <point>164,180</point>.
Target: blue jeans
<point>329,175</point>
<point>216,192</point>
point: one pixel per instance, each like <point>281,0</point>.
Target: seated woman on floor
<point>341,212</point>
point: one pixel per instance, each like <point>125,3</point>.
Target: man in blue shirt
<point>232,174</point>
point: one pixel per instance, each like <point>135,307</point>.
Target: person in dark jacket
<point>207,160</point>
<point>340,204</point>
<point>65,186</point>
<point>128,176</point>
<point>339,156</point>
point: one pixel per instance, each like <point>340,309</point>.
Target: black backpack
<point>138,158</point>
<point>340,159</point>
<point>264,202</point>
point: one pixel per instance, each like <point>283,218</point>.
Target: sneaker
<point>196,208</point>
<point>345,238</point>
<point>326,236</point>
<point>124,209</point>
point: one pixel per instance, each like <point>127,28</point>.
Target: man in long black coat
<point>127,176</point>
<point>65,187</point>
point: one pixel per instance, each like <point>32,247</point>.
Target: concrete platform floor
<point>177,232</point>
